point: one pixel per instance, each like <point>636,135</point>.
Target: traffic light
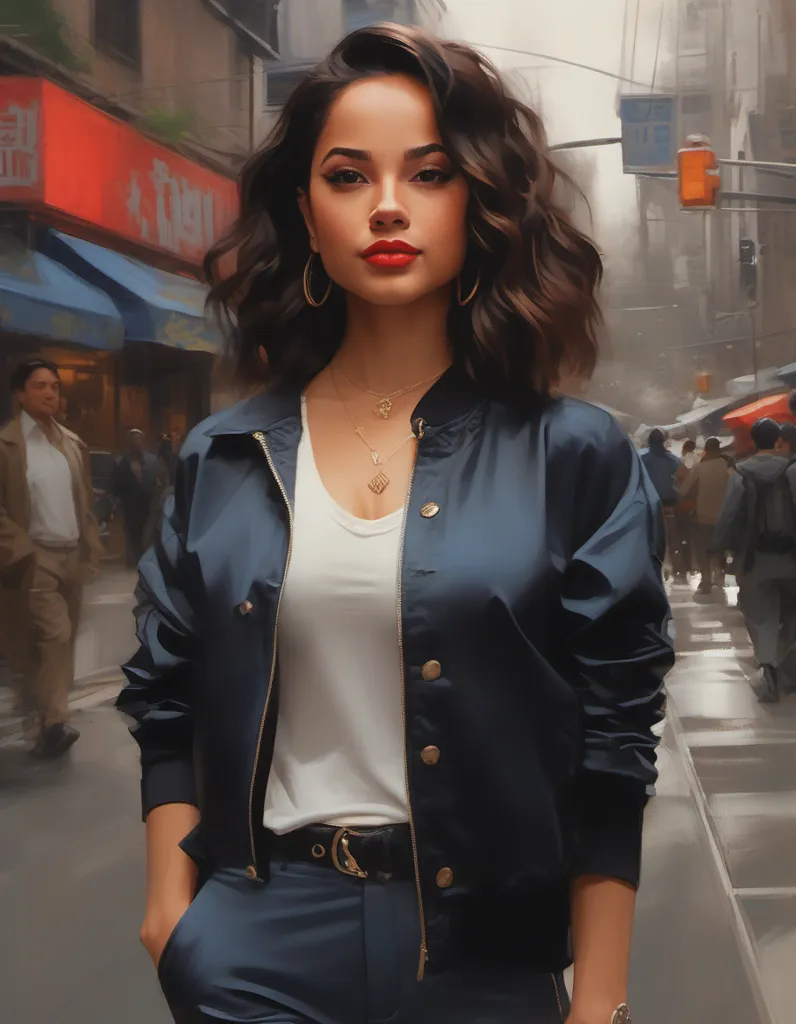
<point>747,257</point>
<point>698,174</point>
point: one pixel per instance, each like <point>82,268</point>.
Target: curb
<point>742,932</point>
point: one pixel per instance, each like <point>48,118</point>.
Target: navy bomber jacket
<point>533,626</point>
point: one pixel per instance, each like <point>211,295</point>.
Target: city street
<point>716,931</point>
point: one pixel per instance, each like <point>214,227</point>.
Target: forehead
<point>42,376</point>
<point>391,112</point>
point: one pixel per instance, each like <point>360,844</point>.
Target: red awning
<point>775,406</point>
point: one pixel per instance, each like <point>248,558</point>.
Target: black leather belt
<point>380,853</point>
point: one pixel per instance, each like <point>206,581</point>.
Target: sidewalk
<point>742,759</point>
<point>105,639</point>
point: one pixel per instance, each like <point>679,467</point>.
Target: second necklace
<point>381,481</point>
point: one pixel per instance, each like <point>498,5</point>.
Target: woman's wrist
<point>594,1010</point>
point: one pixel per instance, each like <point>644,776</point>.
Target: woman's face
<point>385,210</point>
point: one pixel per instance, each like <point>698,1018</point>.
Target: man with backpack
<point>758,525</point>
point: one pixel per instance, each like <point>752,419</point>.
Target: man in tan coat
<point>707,483</point>
<point>49,547</point>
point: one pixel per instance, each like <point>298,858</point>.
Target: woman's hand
<point>158,927</point>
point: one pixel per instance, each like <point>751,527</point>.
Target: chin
<point>394,292</point>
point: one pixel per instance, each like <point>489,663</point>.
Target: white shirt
<point>53,516</point>
<point>339,748</point>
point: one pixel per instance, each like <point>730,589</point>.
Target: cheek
<point>446,228</point>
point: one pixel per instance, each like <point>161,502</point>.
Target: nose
<point>390,211</point>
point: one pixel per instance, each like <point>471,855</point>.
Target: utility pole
<point>753,320</point>
<point>252,102</point>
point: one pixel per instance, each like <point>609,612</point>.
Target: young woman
<point>403,637</point>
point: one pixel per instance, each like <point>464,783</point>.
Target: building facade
<point>122,125</point>
<point>186,71</point>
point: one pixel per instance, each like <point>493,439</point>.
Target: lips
<point>390,253</point>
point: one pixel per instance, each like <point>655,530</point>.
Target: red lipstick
<point>390,253</point>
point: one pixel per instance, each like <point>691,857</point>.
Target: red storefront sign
<point>63,154</point>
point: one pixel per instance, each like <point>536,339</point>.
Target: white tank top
<point>339,749</point>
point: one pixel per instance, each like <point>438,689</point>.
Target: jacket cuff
<point>609,832</point>
<point>167,782</point>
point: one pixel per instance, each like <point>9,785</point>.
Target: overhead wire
<point>658,47</point>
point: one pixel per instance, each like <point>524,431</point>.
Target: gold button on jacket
<point>245,608</point>
<point>431,670</point>
<point>429,510</point>
<point>430,755</point>
<point>444,878</point>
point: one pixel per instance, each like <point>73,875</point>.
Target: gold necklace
<point>381,481</point>
<point>384,405</point>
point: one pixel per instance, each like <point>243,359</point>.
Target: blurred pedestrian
<point>758,525</point>
<point>706,484</point>
<point>688,454</point>
<point>787,440</point>
<point>133,485</point>
<point>665,470</point>
<point>49,545</point>
<point>684,514</point>
<point>165,469</point>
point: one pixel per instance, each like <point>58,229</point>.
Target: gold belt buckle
<point>349,865</point>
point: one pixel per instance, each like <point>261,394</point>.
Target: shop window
<point>117,29</point>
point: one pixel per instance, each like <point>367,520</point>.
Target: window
<point>117,29</point>
<point>787,129</point>
<point>360,13</point>
<point>696,103</point>
<point>260,17</point>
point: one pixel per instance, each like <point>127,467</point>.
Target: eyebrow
<point>362,154</point>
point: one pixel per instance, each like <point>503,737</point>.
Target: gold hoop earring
<point>307,286</point>
<point>471,296</point>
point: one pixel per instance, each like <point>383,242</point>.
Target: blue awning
<point>40,298</point>
<point>156,306</point>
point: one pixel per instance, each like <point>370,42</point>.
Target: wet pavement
<point>717,902</point>
<point>744,762</point>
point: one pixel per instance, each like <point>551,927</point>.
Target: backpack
<point>771,513</point>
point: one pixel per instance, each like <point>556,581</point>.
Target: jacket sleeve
<point>616,618</point>
<point>727,532</point>
<point>159,692</point>
<point>17,550</point>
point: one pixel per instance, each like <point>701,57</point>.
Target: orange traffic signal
<point>698,175</point>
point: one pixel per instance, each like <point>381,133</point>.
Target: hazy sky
<point>576,104</point>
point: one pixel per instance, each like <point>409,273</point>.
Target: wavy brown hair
<point>535,316</point>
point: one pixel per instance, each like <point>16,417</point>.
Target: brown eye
<point>433,176</point>
<point>345,176</point>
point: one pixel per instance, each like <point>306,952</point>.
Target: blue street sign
<point>649,133</point>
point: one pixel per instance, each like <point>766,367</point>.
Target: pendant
<point>376,458</point>
<point>384,408</point>
<point>380,483</point>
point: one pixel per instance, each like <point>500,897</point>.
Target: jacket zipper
<point>259,437</point>
<point>421,968</point>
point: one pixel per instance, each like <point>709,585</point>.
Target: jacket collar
<point>12,432</point>
<point>453,395</point>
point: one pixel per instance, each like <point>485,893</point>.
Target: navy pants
<point>317,946</point>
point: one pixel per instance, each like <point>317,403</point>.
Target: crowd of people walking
<point>737,517</point>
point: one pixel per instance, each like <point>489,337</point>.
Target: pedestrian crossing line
<point>718,652</point>
<point>766,892</point>
<point>735,738</point>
